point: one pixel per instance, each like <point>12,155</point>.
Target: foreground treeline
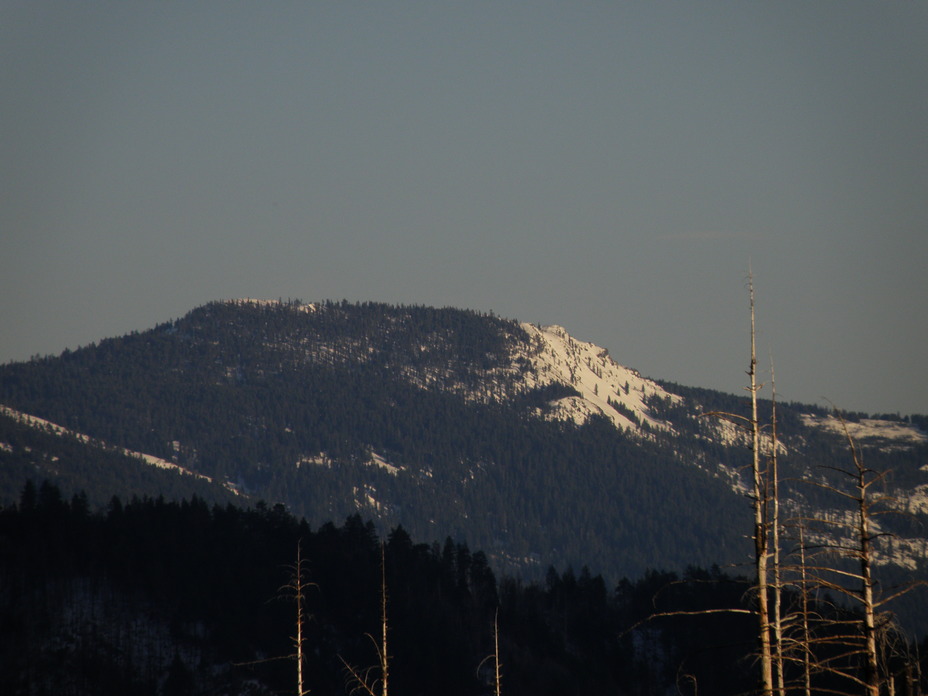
<point>155,597</point>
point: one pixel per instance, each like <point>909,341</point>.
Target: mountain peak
<point>246,301</point>
<point>447,421</point>
<point>604,387</point>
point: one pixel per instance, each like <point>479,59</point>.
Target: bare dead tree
<point>760,523</point>
<point>774,514</point>
<point>497,666</point>
<point>373,679</point>
<point>804,614</point>
<point>296,588</point>
<point>853,539</point>
<point>811,643</point>
<point>759,500</point>
<point>798,642</point>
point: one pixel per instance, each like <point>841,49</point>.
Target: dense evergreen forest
<point>163,598</point>
<point>95,470</point>
<point>288,404</point>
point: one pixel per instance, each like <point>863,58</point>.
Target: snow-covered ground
<point>557,357</point>
<point>838,531</point>
<point>308,308</point>
<point>378,460</point>
<point>869,429</point>
<point>151,460</point>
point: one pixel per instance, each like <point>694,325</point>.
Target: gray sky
<point>611,167</point>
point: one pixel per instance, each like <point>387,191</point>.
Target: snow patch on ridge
<point>149,459</point>
<point>308,308</point>
<point>550,356</point>
<point>886,549</point>
<point>605,387</point>
<point>918,500</point>
<point>900,434</point>
<point>375,459</point>
<point>379,461</point>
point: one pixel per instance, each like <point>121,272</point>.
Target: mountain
<point>534,446</point>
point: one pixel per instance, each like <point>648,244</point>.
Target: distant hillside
<point>529,444</point>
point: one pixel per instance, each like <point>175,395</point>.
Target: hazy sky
<point>613,167</point>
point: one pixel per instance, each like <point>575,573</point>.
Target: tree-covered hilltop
<point>291,403</point>
<point>157,597</point>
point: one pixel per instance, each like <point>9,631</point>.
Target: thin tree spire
<point>760,525</point>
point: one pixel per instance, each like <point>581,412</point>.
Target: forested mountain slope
<point>529,444</point>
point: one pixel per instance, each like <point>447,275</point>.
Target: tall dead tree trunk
<point>296,589</point>
<point>804,612</point>
<point>384,655</point>
<point>864,538</point>
<point>759,498</point>
<point>497,667</point>
<point>496,664</point>
<point>362,679</point>
<point>774,496</point>
<point>299,625</point>
<point>297,586</point>
<point>855,542</point>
